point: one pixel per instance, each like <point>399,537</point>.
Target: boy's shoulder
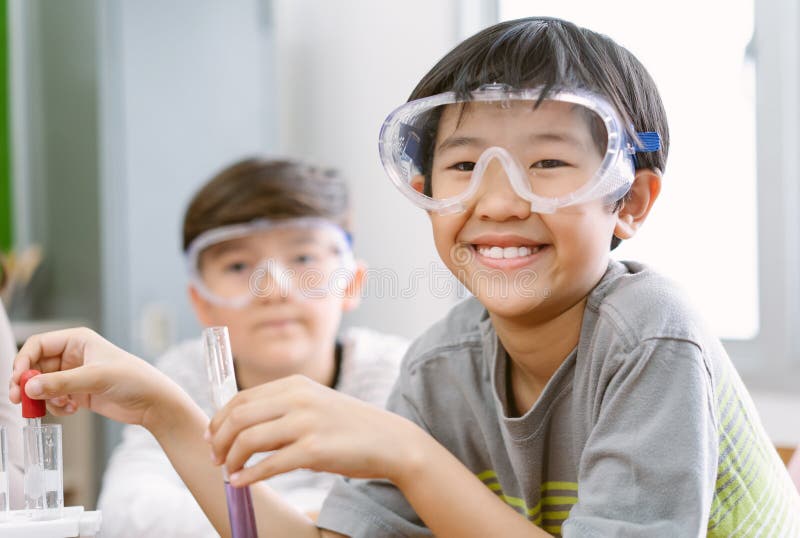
<point>364,344</point>
<point>464,326</point>
<point>370,363</point>
<point>176,358</point>
<point>643,303</point>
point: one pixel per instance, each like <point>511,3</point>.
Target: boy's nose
<point>270,282</point>
<point>496,199</point>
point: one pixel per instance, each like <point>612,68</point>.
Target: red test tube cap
<point>31,408</point>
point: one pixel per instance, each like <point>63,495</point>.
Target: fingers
<point>261,393</point>
<point>59,401</point>
<point>273,416</point>
<point>50,352</point>
<point>82,380</point>
<point>266,468</point>
<point>288,458</point>
<point>300,388</point>
<point>263,437</point>
<point>45,351</point>
<point>44,365</point>
<point>240,418</point>
<point>68,407</point>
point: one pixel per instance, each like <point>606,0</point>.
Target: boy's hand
<point>82,369</point>
<point>311,426</point>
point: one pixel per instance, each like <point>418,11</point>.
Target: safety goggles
<point>305,257</point>
<point>567,148</point>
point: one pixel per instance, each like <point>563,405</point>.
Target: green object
<point>6,217</point>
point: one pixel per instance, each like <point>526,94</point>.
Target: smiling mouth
<point>507,253</point>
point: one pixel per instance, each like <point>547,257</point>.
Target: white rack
<point>76,522</point>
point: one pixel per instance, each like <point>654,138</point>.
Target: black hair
<point>553,54</point>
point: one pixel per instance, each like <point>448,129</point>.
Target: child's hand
<point>311,426</point>
<point>81,369</point>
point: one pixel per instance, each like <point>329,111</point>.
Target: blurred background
<point>113,113</point>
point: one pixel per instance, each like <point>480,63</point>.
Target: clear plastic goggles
<point>566,149</point>
<point>303,257</point>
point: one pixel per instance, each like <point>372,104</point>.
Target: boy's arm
<point>81,369</point>
<point>142,495</point>
<point>184,444</point>
<point>454,503</point>
<point>649,466</point>
<point>313,427</point>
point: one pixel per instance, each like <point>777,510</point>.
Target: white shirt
<point>142,495</point>
<point>10,414</point>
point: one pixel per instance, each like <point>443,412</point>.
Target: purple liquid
<point>240,512</point>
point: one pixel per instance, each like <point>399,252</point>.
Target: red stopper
<point>30,408</point>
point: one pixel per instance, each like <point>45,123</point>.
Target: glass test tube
<point>4,500</point>
<point>44,473</point>
<point>222,378</point>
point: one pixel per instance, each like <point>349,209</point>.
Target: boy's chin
<point>272,359</point>
<point>511,304</point>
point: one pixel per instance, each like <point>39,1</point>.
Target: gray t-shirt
<point>644,430</point>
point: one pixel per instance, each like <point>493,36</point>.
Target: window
<point>702,231</point>
<point>727,226</point>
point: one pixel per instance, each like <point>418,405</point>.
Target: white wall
<point>54,132</point>
<point>183,93</point>
<point>188,86</point>
<point>342,67</point>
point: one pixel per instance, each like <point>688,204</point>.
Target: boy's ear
<point>352,294</point>
<point>418,183</point>
<point>202,308</point>
<point>641,197</point>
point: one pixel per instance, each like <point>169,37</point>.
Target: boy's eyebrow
<point>461,141</point>
<point>226,246</point>
<point>303,240</point>
<point>567,138</point>
<point>305,237</point>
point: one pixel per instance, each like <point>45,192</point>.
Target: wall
<point>342,67</point>
<point>184,93</point>
<point>55,156</point>
<point>6,218</point>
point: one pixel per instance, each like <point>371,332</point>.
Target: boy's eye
<point>235,267</point>
<point>464,166</point>
<point>305,259</point>
<point>548,163</point>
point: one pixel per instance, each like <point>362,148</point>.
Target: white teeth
<point>507,252</point>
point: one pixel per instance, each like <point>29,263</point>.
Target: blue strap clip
<point>648,141</point>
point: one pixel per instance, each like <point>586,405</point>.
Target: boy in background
<point>263,240</point>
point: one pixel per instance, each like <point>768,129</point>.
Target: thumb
<point>81,380</point>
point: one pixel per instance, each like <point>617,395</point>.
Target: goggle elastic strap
<point>648,141</point>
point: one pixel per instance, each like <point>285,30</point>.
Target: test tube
<point>4,500</point>
<point>43,480</point>
<point>222,378</point>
